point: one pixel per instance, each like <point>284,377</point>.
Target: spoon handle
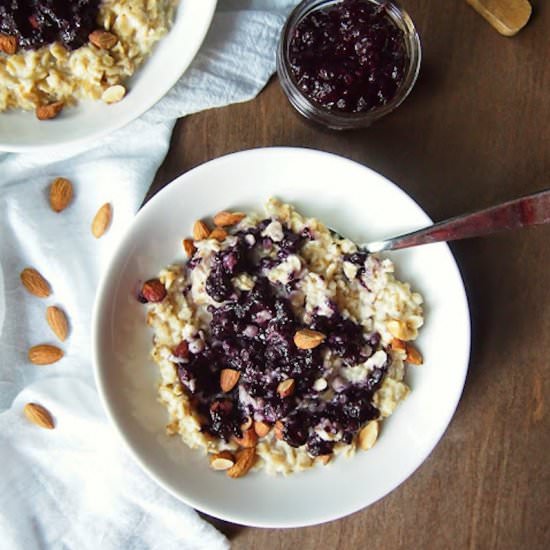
<point>528,210</point>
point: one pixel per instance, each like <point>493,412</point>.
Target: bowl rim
<point>102,297</point>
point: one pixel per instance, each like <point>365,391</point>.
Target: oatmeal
<point>279,343</point>
<point>67,51</point>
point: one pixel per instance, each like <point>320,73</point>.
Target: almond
<point>39,415</point>
<point>245,461</point>
<point>368,435</point>
<point>399,329</point>
<point>248,439</point>
<point>34,282</point>
<point>308,339</point>
<point>261,429</point>
<point>224,219</point>
<point>57,320</point>
<point>229,379</point>
<point>113,94</point>
<point>61,193</point>
<point>218,233</point>
<point>286,388</point>
<point>222,461</point>
<point>414,357</point>
<point>324,459</point>
<point>102,220</point>
<point>189,247</point>
<point>153,291</point>
<point>8,44</point>
<point>396,343</point>
<point>278,430</point>
<point>104,40</point>
<point>200,231</point>
<point>49,111</point>
<point>182,350</point>
<point>247,424</point>
<point>45,354</point>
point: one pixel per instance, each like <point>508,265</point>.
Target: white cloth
<point>75,487</point>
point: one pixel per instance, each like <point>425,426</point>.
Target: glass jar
<point>335,118</point>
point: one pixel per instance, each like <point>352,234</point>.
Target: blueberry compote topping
<point>252,332</point>
<point>349,57</point>
<point>36,23</point>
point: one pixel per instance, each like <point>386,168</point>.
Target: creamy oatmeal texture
<point>30,78</point>
<point>283,339</point>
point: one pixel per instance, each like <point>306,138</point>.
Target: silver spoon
<point>528,210</point>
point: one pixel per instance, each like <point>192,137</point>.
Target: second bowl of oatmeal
<point>280,348</point>
<point>70,73</point>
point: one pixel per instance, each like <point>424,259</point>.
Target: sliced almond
<point>414,357</point>
<point>229,379</point>
<point>61,193</point>
<point>47,112</point>
<point>113,94</point>
<point>261,428</point>
<point>278,430</point>
<point>248,439</point>
<point>45,354</point>
<point>8,44</point>
<point>34,282</point>
<point>57,320</point>
<point>400,329</point>
<point>368,435</point>
<point>398,344</point>
<point>324,459</point>
<point>308,339</point>
<point>201,231</point>
<point>247,424</point>
<point>222,461</point>
<point>39,415</point>
<point>245,461</point>
<point>103,40</point>
<point>189,247</point>
<point>225,219</point>
<point>102,220</point>
<point>218,233</point>
<point>286,388</point>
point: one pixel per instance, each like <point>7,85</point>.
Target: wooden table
<point>476,130</point>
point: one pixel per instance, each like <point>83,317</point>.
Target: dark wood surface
<point>475,131</point>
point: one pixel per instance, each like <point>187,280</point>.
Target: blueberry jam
<point>252,332</point>
<point>349,57</point>
<point>36,23</point>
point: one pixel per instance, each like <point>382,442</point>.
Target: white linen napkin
<point>75,486</point>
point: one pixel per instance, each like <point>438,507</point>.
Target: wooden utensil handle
<point>508,17</point>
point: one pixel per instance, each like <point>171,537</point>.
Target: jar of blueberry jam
<point>346,63</point>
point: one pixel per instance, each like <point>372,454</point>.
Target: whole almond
<point>153,291</point>
<point>278,430</point>
<point>286,388</point>
<point>104,40</point>
<point>248,439</point>
<point>245,461</point>
<point>61,193</point>
<point>225,219</point>
<point>57,320</point>
<point>189,247</point>
<point>414,357</point>
<point>222,461</point>
<point>34,282</point>
<point>396,343</point>
<point>218,233</point>
<point>45,354</point>
<point>308,339</point>
<point>201,231</point>
<point>8,44</point>
<point>261,429</point>
<point>368,435</point>
<point>39,415</point>
<point>113,94</point>
<point>102,220</point>
<point>229,379</point>
<point>47,112</point>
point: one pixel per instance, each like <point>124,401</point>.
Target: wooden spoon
<point>508,17</point>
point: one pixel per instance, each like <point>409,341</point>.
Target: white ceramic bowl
<point>21,131</point>
<point>358,203</point>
